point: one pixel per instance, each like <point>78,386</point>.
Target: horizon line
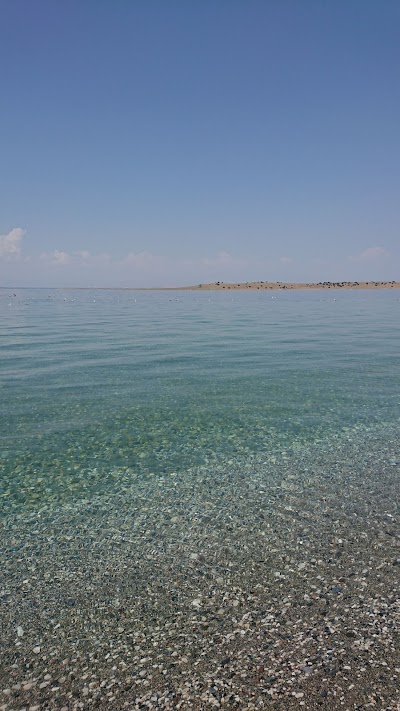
<point>220,285</point>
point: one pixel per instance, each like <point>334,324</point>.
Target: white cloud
<point>370,254</point>
<point>59,257</point>
<point>10,243</point>
<point>285,260</point>
<point>82,258</point>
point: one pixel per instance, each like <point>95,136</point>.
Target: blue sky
<point>154,143</point>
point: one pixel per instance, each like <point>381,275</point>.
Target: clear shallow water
<point>94,384</point>
<point>200,497</point>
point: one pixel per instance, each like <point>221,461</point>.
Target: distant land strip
<point>280,285</point>
<point>244,285</point>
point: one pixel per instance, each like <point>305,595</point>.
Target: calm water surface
<point>99,383</point>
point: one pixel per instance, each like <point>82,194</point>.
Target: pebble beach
<point>271,584</point>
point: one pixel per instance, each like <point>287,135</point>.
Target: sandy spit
<point>280,285</point>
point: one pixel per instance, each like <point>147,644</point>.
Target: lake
<point>204,481</point>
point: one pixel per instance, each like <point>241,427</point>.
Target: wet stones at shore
<point>265,584</point>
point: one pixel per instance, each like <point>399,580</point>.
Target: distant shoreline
<point>280,285</point>
<point>261,286</point>
<point>234,286</point>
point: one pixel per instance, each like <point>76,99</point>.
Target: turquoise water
<point>99,385</point>
<point>199,500</point>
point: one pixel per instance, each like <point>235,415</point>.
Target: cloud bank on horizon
<point>60,268</point>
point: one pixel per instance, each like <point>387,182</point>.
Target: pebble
<point>336,589</point>
<point>28,686</point>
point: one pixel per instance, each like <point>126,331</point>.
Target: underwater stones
<point>250,638</point>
